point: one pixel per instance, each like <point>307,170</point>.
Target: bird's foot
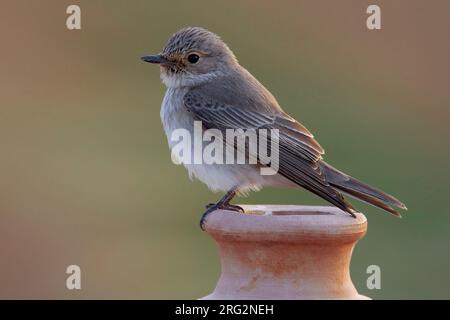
<point>218,206</point>
<point>229,206</point>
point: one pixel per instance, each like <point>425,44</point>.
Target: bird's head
<point>191,56</point>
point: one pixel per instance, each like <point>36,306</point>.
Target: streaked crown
<point>198,39</point>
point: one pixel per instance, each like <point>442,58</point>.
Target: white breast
<point>218,177</point>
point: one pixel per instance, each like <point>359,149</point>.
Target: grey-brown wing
<point>299,153</point>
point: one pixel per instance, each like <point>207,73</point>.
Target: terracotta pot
<point>285,252</point>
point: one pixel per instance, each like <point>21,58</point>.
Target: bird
<point>205,82</point>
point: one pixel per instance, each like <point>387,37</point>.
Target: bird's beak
<point>157,58</point>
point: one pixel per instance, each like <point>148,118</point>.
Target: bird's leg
<point>223,203</point>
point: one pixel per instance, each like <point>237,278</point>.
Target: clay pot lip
<point>286,223</point>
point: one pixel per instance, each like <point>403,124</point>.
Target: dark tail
<point>361,191</point>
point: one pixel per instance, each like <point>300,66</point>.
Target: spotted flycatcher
<point>206,83</point>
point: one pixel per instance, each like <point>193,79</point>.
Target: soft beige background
<point>86,177</point>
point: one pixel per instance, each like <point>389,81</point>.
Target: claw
<point>233,207</point>
<point>223,203</point>
<point>216,206</point>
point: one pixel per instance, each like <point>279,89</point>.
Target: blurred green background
<point>86,176</point>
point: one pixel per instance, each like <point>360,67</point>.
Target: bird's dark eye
<point>193,58</point>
